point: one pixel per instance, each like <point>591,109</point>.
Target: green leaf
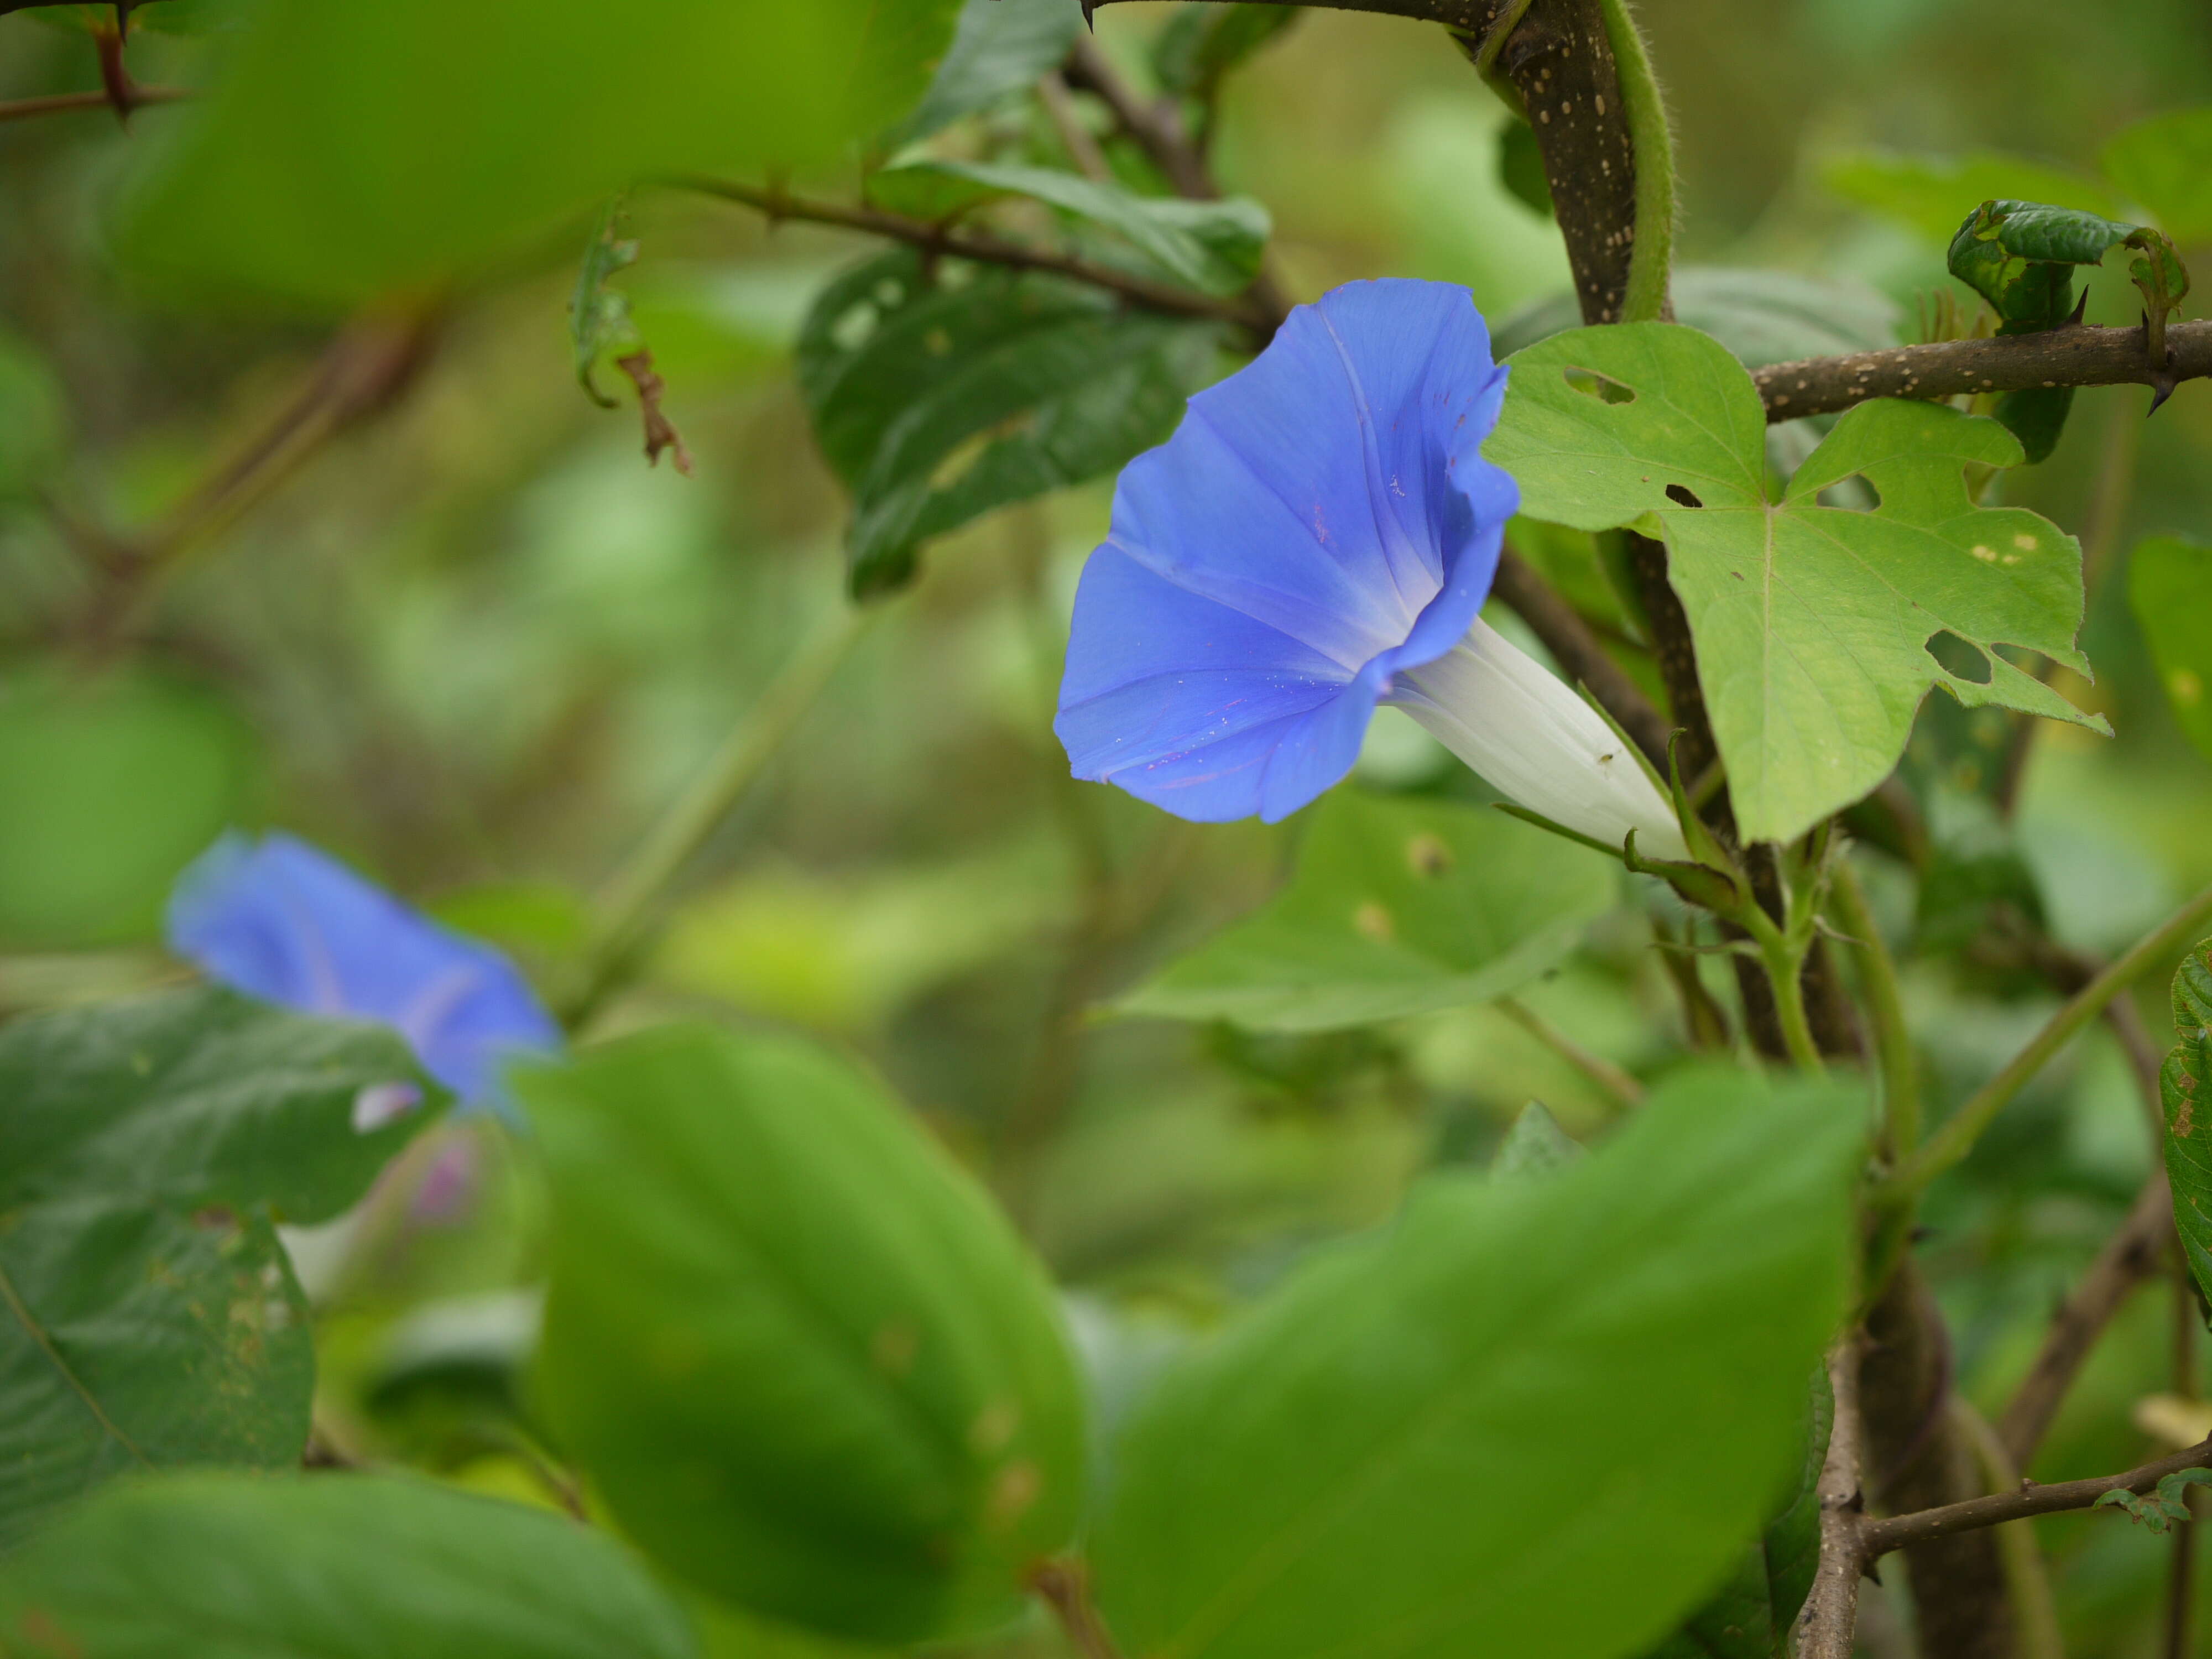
<point>2170,586</point>
<point>1812,624</point>
<point>148,1316</point>
<point>1737,1622</point>
<point>936,397</point>
<point>1792,1542</point>
<point>341,1566</point>
<point>1199,45</point>
<point>2018,256</point>
<point>598,316</point>
<point>1214,245</point>
<point>2164,163</point>
<point>1535,1146</point>
<point>1761,316</point>
<point>2188,1108</point>
<point>1521,170</point>
<point>114,781</point>
<point>1930,194</point>
<point>1399,906</point>
<point>347,151</point>
<point>807,1362</point>
<point>1437,1439</point>
<point>1001,47</point>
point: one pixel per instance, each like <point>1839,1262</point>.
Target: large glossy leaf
<point>339,1567</point>
<point>1931,193</point>
<point>2164,164</point>
<point>1812,622</point>
<point>2169,585</point>
<point>2188,1102</point>
<point>113,783</point>
<point>346,151</point>
<point>1399,906</point>
<point>1215,246</point>
<point>936,397</point>
<point>1001,47</point>
<point>1440,1439</point>
<point>148,1314</point>
<point>807,1362</point>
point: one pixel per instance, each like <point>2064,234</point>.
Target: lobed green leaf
<point>1812,623</point>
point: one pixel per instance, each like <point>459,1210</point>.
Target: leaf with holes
<point>150,1316</point>
<point>1000,48</point>
<point>1399,906</point>
<point>2170,586</point>
<point>808,1363</point>
<point>2188,1105</point>
<point>936,397</point>
<point>1812,623</point>
<point>1433,1441</point>
<point>210,1565</point>
<point>1213,245</point>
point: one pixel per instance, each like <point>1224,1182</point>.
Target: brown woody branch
<point>2011,363</point>
<point>1878,1538</point>
<point>988,249</point>
<point>1829,1620</point>
<point>59,103</point>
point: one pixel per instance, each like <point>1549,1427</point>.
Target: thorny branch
<point>1878,1538</point>
<point>1829,1618</point>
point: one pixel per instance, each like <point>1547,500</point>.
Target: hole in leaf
<point>1603,387</point>
<point>1856,494</point>
<point>1682,497</point>
<point>1961,659</point>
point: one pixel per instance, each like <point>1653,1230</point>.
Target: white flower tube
<point>1532,737</point>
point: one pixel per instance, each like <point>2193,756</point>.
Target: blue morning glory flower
<point>286,922</point>
<point>1317,537</point>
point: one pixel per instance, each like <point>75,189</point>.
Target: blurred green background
<point>475,643</point>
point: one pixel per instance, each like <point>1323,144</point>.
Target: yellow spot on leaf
<point>1372,920</point>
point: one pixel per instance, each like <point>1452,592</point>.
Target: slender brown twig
<point>1065,1586</point>
<point>61,103</point>
<point>1576,648</point>
<point>1895,1532</point>
<point>988,249</point>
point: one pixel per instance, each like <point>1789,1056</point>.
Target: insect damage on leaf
<point>659,431</point>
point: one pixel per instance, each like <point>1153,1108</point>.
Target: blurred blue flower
<point>285,922</point>
<point>1318,536</point>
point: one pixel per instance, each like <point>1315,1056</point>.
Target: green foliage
<point>1521,167</point>
<point>2020,256</point>
<point>938,396</point>
<point>2164,163</point>
<point>1202,44</point>
<point>341,1567</point>
<point>2170,586</point>
<point>1535,1146</point>
<point>1399,906</point>
<point>1930,194</point>
<point>1619,1349</point>
<point>150,1317</point>
<point>2160,1508</point>
<point>806,1361</point>
<point>598,316</point>
<point>2188,1121</point>
<point>1812,622</point>
<point>1214,245</point>
<point>114,782</point>
<point>1761,316</point>
<point>346,152</point>
<point>1000,48</point>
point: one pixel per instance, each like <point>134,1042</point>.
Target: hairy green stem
<point>1785,971</point>
<point>632,898</point>
<point>1893,1040</point>
<point>1651,260</point>
<point>1956,1138</point>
